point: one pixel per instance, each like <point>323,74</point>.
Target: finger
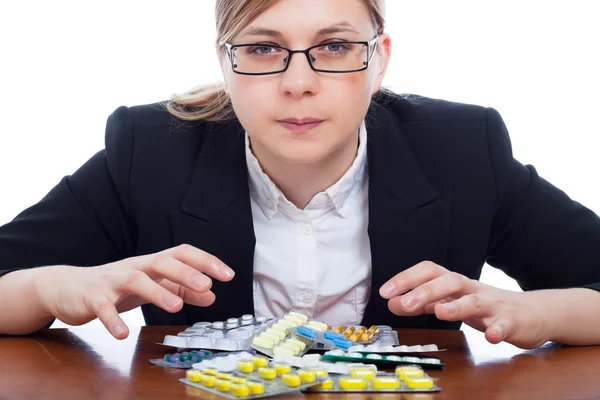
<point>466,307</point>
<point>165,266</point>
<point>139,284</point>
<point>202,261</point>
<point>198,299</point>
<point>437,289</point>
<point>411,278</point>
<point>495,333</point>
<point>110,318</point>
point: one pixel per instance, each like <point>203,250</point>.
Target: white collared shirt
<point>318,260</point>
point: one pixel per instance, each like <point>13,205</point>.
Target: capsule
<point>224,376</point>
<point>352,383</point>
<point>267,373</point>
<point>222,385</point>
<point>260,361</point>
<point>419,383</point>
<point>339,329</point>
<point>354,337</point>
<point>321,373</point>
<point>408,372</point>
<point>240,390</point>
<point>263,342</point>
<point>364,372</point>
<point>238,380</point>
<point>245,366</point>
<point>349,331</point>
<point>208,380</point>
<point>325,385</point>
<point>209,371</point>
<point>282,369</point>
<point>193,375</point>
<point>256,387</point>
<point>307,375</point>
<point>291,380</point>
<point>386,382</point>
<point>365,337</point>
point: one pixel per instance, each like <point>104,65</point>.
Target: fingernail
<point>388,288</point>
<point>118,329</point>
<point>449,307</point>
<point>410,300</point>
<point>172,300</point>
<point>200,280</point>
<point>225,270</point>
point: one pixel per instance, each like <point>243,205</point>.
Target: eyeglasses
<point>332,57</point>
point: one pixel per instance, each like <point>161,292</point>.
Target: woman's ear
<point>384,52</point>
<point>222,57</point>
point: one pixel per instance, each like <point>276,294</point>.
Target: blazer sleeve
<point>85,219</point>
<point>540,236</point>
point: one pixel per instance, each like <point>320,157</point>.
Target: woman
<point>301,184</point>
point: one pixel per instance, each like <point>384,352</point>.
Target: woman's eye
<point>264,50</point>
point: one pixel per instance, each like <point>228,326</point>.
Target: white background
<point>66,65</point>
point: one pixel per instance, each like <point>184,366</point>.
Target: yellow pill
<point>210,371</point>
<point>307,375</point>
<point>294,345</point>
<point>240,390</point>
<point>224,376</point>
<point>260,361</point>
<point>354,337</point>
<point>349,331</point>
<point>284,350</point>
<point>297,342</point>
<point>263,342</point>
<point>408,372</point>
<point>282,368</point>
<point>321,373</point>
<point>297,321</point>
<point>238,380</point>
<point>208,380</point>
<point>352,383</point>
<point>419,383</point>
<point>386,382</point>
<point>222,385</point>
<point>286,324</point>
<point>361,329</point>
<point>339,329</point>
<point>326,384</point>
<point>193,375</point>
<point>365,337</point>
<point>245,366</point>
<point>364,372</point>
<point>303,317</point>
<point>270,336</point>
<point>256,387</point>
<point>279,333</point>
<point>328,327</point>
<point>291,380</point>
<point>317,325</point>
<point>278,328</point>
<point>373,328</point>
<point>267,373</point>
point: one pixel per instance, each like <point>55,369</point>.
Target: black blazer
<point>443,187</point>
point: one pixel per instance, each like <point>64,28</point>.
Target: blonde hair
<point>210,102</point>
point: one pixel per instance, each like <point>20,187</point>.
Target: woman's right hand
<point>77,295</point>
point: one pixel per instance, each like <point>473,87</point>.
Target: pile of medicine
<point>263,357</point>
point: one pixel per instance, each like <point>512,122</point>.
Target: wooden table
<point>86,363</point>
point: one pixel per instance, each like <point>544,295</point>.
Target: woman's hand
<point>76,295</point>
<point>519,318</point>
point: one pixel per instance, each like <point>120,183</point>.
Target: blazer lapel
<point>216,217</point>
<point>408,222</point>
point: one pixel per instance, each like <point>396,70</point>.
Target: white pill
<point>372,347</point>
<point>336,352</point>
<point>411,359</point>
<point>232,325</point>
<point>218,325</point>
<point>430,347</point>
<point>358,347</point>
<point>311,357</point>
<point>375,356</point>
<point>414,348</point>
<point>247,317</point>
<point>354,355</point>
<point>201,342</point>
<point>187,334</point>
<point>214,334</point>
<point>202,324</point>
<point>401,348</point>
<point>386,349</point>
<point>261,319</point>
<point>394,358</point>
<point>176,341</point>
<point>238,334</point>
<point>430,361</point>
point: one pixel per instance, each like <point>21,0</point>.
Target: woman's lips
<point>299,128</point>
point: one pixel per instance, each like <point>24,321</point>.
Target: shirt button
<point>307,297</point>
<point>307,229</point>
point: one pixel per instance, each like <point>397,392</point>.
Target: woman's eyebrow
<point>335,28</point>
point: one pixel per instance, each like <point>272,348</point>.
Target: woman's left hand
<point>520,318</point>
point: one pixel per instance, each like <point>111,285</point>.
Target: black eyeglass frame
<point>230,47</point>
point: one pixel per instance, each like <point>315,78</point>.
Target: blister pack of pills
<point>313,361</point>
<point>344,337</point>
<point>375,348</point>
<point>276,339</point>
<point>182,360</point>
<point>381,359</point>
<point>254,378</point>
<point>234,334</point>
<point>364,380</point>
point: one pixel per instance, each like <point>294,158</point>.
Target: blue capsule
<point>307,332</point>
<point>343,343</point>
<point>331,335</point>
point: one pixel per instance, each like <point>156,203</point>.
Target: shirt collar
<point>340,194</point>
